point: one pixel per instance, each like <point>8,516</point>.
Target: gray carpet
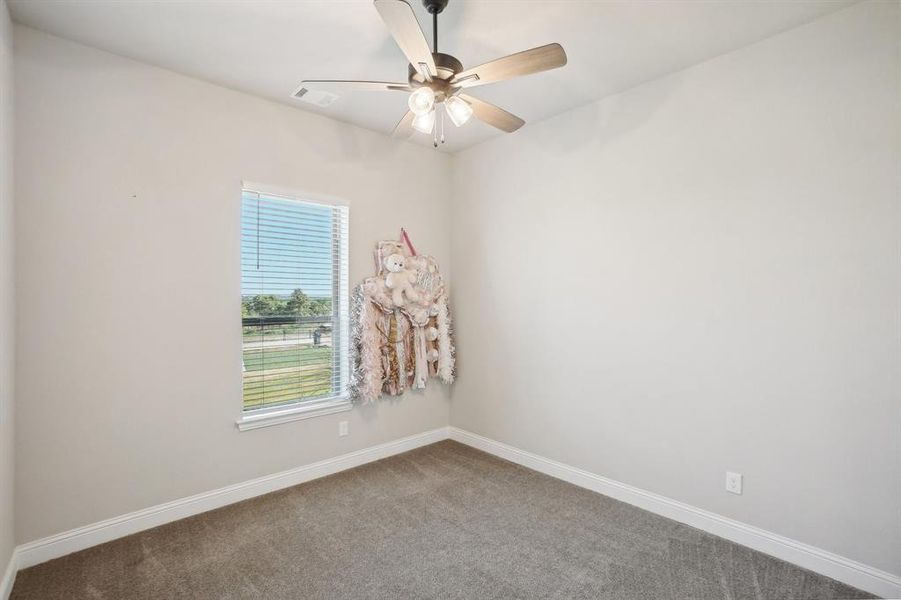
<point>444,521</point>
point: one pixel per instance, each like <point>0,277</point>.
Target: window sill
<point>269,417</point>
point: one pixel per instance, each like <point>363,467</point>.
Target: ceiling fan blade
<point>404,127</point>
<point>340,85</point>
<point>538,59</point>
<point>493,115</point>
<point>404,27</point>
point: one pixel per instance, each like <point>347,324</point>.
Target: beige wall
<point>702,274</point>
<point>128,192</point>
<point>7,299</point>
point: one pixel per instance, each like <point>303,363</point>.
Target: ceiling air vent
<point>317,97</point>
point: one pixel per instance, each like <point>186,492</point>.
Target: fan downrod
<point>434,7</point>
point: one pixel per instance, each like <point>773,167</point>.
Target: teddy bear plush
<point>400,280</point>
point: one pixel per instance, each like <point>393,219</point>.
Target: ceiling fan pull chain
<point>442,124</point>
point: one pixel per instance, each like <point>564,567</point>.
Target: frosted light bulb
<point>421,101</point>
<point>424,123</point>
<point>458,110</point>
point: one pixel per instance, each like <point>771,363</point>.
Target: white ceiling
<point>267,47</point>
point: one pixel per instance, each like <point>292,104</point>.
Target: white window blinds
<point>294,300</point>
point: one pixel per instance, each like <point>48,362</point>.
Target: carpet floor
<point>443,521</point>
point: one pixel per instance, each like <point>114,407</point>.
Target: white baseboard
<point>9,576</point>
<point>54,546</point>
<point>820,561</point>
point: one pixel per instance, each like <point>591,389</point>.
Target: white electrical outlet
<point>342,428</point>
<point>733,482</point>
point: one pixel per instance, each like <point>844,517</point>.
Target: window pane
<point>293,289</point>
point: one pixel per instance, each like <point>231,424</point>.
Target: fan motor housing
<point>447,66</point>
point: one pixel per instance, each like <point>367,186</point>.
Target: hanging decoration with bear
<point>401,324</point>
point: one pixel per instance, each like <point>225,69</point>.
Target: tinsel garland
<point>368,373</point>
<point>446,348</point>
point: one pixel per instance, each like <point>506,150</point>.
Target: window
<point>294,307</point>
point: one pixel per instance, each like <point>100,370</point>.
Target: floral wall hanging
<point>402,330</point>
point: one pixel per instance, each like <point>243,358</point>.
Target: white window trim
<point>266,417</point>
<point>293,194</point>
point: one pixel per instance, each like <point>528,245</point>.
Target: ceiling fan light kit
<point>422,101</point>
<point>458,110</point>
<point>435,81</point>
<point>424,123</point>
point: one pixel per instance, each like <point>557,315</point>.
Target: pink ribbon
<point>406,239</point>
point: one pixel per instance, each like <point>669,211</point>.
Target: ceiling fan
<point>436,81</point>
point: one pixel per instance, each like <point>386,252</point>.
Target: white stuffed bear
<point>400,280</point>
